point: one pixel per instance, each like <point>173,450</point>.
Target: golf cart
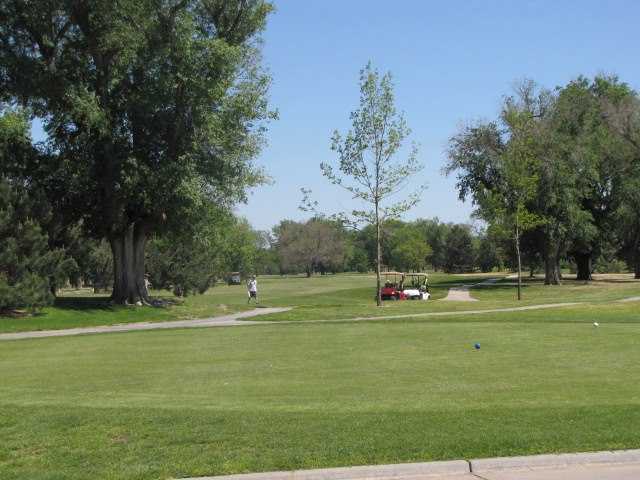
<point>234,278</point>
<point>392,286</point>
<point>404,286</point>
<point>416,286</point>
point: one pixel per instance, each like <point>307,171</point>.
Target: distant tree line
<point>320,246</point>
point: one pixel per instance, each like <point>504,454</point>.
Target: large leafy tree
<point>597,155</point>
<point>497,165</point>
<point>149,106</point>
<point>190,261</point>
<point>623,118</point>
<point>510,202</point>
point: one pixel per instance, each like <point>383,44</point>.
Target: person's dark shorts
<point>253,294</point>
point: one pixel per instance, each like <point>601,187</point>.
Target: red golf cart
<point>404,286</point>
<point>392,286</point>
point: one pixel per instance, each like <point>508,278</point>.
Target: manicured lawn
<point>175,403</point>
<point>334,294</point>
<point>319,298</point>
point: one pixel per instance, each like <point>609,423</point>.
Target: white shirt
<point>253,286</point>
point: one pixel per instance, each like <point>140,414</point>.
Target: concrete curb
<point>455,469</point>
<point>554,461</point>
<point>379,472</point>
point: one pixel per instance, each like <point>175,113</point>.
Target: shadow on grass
<point>500,286</point>
<point>83,303</point>
<point>104,303</point>
<point>613,280</point>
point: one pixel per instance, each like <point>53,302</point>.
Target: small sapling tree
<point>367,167</point>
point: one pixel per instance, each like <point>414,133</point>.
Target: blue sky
<point>451,61</point>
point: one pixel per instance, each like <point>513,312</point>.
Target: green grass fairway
<point>330,295</point>
<point>177,403</point>
<point>320,298</point>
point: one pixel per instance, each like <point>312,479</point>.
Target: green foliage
<point>420,244</point>
<point>367,168</point>
<point>435,234</point>
<point>141,98</point>
<point>317,245</point>
<point>191,261</point>
<point>150,109</point>
<point>623,119</point>
<point>28,268</point>
<point>498,163</point>
<point>488,254</point>
<point>99,268</point>
<point>410,250</point>
<point>459,253</point>
<point>553,170</point>
<point>358,260</point>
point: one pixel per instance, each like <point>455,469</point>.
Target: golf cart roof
<point>418,274</point>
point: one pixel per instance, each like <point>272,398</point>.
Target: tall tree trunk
<point>517,238</point>
<point>558,269</point>
<point>129,286</point>
<point>378,259</point>
<point>551,268</point>
<point>636,258</point>
<point>583,264</point>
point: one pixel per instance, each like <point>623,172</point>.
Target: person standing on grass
<point>252,289</point>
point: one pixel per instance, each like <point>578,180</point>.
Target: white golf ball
<point>596,324</point>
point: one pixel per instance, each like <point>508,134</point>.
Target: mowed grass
<point>327,297</point>
<point>176,403</point>
<point>170,404</point>
<point>352,295</point>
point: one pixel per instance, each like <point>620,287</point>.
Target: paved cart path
<point>461,292</point>
<point>581,472</point>
<point>237,319</point>
<point>608,465</point>
<point>223,321</point>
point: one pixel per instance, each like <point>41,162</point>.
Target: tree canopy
<point>148,105</point>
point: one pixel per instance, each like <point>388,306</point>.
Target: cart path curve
<point>461,293</point>
<point>222,321</point>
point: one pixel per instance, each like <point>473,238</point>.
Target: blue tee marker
<point>477,346</point>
